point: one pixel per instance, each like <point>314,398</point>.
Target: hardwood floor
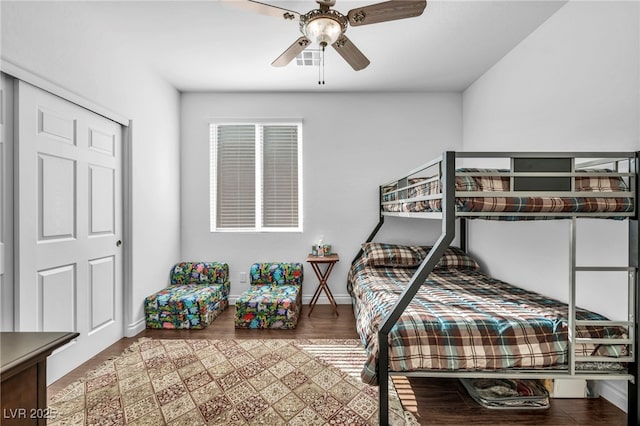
<point>433,401</point>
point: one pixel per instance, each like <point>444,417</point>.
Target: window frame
<point>259,161</point>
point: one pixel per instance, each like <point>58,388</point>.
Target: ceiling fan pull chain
<point>319,70</point>
<point>321,64</point>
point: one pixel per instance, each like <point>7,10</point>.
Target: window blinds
<point>280,176</point>
<point>236,167</point>
<point>255,177</point>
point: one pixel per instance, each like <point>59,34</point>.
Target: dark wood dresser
<point>23,371</point>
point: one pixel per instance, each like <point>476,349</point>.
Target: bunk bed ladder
<point>630,323</point>
<point>573,321</point>
<point>633,310</point>
<point>447,172</point>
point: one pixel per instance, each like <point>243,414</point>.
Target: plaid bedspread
<point>465,320</point>
<point>509,204</point>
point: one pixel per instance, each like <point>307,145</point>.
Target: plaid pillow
<point>389,195</point>
<point>382,254</point>
<point>496,183</point>
<point>600,183</point>
<point>393,255</point>
<point>454,258</point>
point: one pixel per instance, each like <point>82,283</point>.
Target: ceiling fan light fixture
<point>323,30</point>
<point>323,26</point>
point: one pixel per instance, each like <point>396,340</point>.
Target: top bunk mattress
<point>461,318</point>
<point>598,198</point>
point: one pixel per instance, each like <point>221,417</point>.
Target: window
<point>256,176</point>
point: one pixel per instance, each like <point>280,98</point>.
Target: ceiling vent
<point>308,58</point>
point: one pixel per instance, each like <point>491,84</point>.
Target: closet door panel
<point>70,224</point>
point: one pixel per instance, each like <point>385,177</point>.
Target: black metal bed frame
<point>447,165</point>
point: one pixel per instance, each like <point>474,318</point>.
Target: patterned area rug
<point>228,382</point>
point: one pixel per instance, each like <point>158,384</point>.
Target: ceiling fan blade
<point>292,51</point>
<point>350,53</point>
<point>386,11</point>
<point>268,9</point>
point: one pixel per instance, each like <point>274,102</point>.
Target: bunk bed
<point>402,306</point>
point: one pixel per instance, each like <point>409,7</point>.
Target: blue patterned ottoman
<point>198,293</point>
<point>274,299</point>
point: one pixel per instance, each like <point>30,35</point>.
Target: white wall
<point>49,39</point>
<point>351,144</point>
<point>572,85</point>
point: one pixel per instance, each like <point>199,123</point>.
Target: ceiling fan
<point>325,25</point>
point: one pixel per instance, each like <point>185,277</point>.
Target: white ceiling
<point>217,45</point>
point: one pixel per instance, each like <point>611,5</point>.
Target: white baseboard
<point>134,328</point>
<point>615,392</point>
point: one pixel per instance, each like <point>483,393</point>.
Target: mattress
<point>463,319</point>
<point>590,203</point>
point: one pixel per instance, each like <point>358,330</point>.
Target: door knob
<point>118,243</point>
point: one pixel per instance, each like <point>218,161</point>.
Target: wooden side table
<point>315,261</point>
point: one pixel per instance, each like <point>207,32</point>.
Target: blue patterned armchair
<point>274,299</point>
<point>198,293</point>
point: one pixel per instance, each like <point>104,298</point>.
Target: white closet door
<point>69,225</point>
